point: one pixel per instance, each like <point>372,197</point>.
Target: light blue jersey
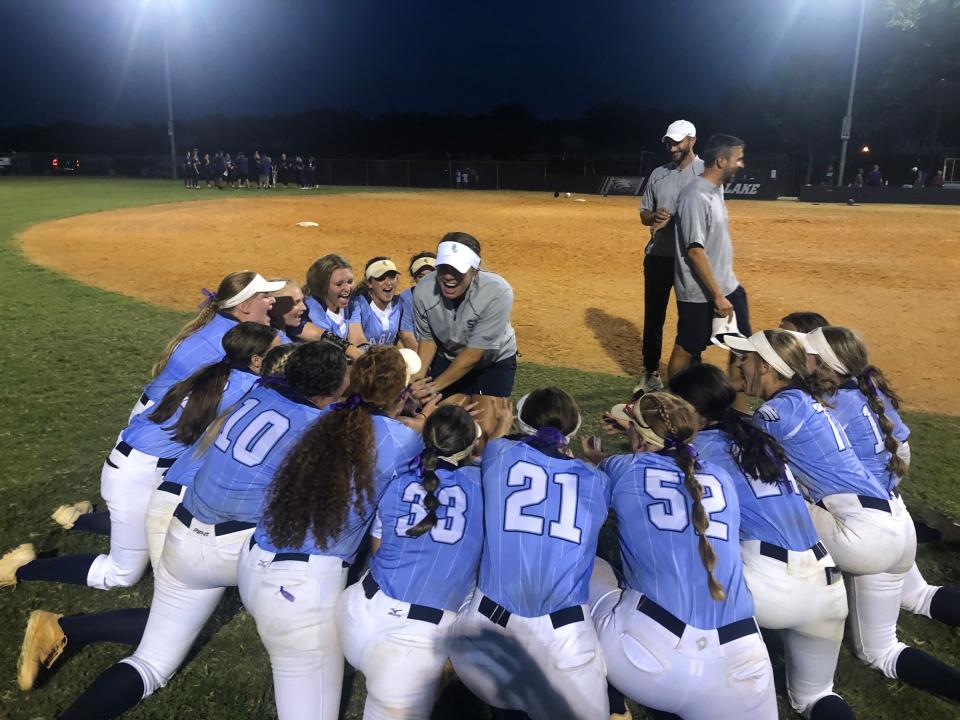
<point>399,318</point>
<point>184,470</point>
<point>817,448</point>
<point>318,315</point>
<point>775,513</point>
<point>156,439</point>
<point>862,427</point>
<point>439,568</point>
<point>542,516</point>
<point>659,545</point>
<point>397,447</point>
<point>204,347</point>
<point>240,464</point>
<point>406,297</point>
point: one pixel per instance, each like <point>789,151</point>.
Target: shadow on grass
<point>620,339</point>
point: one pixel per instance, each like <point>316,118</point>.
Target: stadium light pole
<point>847,125</point>
<point>166,77</point>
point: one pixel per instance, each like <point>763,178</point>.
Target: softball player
<point>384,318</point>
<point>795,584</point>
<point>467,345</point>
<point>526,641</point>
<point>241,296</point>
<point>392,624</point>
<point>294,568</point>
<point>681,636</point>
<point>215,520</point>
<point>329,300</point>
<point>866,409</point>
<point>851,510</point>
<point>138,463</point>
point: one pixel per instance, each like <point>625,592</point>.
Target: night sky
<point>101,60</point>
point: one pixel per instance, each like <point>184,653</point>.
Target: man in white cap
<point>704,281</point>
<point>657,210</point>
<point>467,345</point>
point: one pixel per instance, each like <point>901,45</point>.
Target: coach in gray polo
<point>467,345</point>
<point>657,210</point>
<point>704,281</point>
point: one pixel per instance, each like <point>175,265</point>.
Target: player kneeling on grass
<point>680,637</point>
<point>214,522</point>
<point>319,507</point>
<point>526,641</point>
<point>393,623</point>
<point>467,345</point>
<point>795,584</point>
<point>866,409</point>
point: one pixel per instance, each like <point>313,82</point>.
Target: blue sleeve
<point>406,313</point>
<point>353,312</point>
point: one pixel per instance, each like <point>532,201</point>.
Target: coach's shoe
<point>651,383</point>
<point>66,515</point>
<point>13,561</point>
<point>43,643</point>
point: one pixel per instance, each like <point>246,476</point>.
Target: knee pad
<point>916,599</point>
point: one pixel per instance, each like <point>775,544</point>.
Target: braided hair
<point>447,432</point>
<point>674,419</point>
<point>852,352</point>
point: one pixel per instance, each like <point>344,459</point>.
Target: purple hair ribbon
<point>545,436</point>
<point>868,376</point>
<point>353,401</point>
<point>209,297</point>
<point>671,444</point>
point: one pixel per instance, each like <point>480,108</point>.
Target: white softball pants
<point>140,406</point>
<point>159,516</point>
<point>529,665</point>
<point>875,602</point>
<point>693,676</point>
<point>794,597</point>
<point>864,541</point>
<point>293,604</point>
<point>401,659</point>
<point>196,566</point>
<point>126,483</point>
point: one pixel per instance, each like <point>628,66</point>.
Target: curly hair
<point>446,432</point>
<point>675,420</point>
<point>331,468</point>
<point>872,384</point>
<point>229,286</point>
<point>203,390</point>
<point>708,389</point>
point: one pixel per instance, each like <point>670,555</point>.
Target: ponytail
<point>873,386</point>
<point>757,454</point>
<point>430,483</point>
<point>203,391</point>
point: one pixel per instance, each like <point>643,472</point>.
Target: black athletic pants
<point>657,283</point>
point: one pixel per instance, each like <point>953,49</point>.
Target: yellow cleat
<point>66,515</point>
<point>13,561</point>
<point>43,643</point>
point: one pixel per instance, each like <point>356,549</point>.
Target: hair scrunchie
<point>208,298</point>
<point>671,444</point>
<point>544,437</point>
<point>353,401</point>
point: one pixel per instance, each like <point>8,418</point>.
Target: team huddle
<point>349,458</point>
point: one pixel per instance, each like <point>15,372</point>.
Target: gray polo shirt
<point>663,191</point>
<point>480,321</point>
<point>702,220</point>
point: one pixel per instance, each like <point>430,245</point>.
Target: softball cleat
<point>13,561</point>
<point>66,515</point>
<point>43,643</point>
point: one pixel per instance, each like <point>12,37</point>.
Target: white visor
<point>412,360</point>
<point>458,256</point>
<point>820,346</point>
<point>380,268</point>
<point>259,284</point>
<point>759,344</point>
<point>804,339</point>
<point>723,326</point>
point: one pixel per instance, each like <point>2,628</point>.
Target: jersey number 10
<point>515,519</point>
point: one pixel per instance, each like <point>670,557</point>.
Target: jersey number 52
<point>669,511</point>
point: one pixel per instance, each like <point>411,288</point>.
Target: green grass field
<point>73,359</point>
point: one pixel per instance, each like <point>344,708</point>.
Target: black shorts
<point>695,321</point>
<point>495,380</point>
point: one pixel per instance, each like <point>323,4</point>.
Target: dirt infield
<point>890,272</point>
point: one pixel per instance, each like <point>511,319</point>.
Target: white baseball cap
<point>412,360</point>
<point>458,256</point>
<point>678,130</point>
<point>723,326</point>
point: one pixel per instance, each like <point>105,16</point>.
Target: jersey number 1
<point>516,520</point>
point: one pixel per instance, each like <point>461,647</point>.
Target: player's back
<point>818,450</point>
<point>246,454</point>
<point>439,568</point>
<point>542,516</point>
<point>660,546</point>
<point>202,347</point>
<point>862,428</point>
<point>775,513</point>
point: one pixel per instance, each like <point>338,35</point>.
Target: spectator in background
<point>219,169</point>
<point>875,177</point>
<point>828,179</point>
<point>243,170</point>
<point>937,181</point>
<point>858,178</point>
